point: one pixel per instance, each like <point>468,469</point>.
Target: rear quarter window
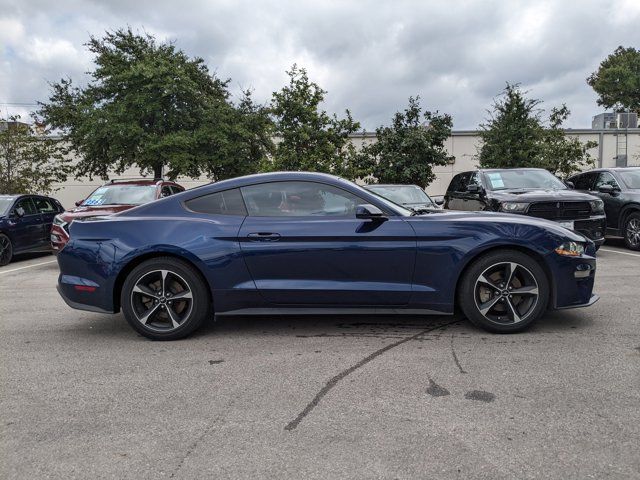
<point>229,202</point>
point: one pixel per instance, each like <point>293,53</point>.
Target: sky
<point>369,55</point>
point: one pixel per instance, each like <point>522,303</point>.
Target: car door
<point>26,229</point>
<point>304,246</point>
<point>612,201</point>
<point>47,210</point>
<point>474,200</point>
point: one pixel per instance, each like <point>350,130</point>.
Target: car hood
<point>540,195</point>
<point>500,218</point>
<point>92,211</point>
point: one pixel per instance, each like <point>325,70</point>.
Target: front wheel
<point>165,299</point>
<point>632,231</point>
<point>504,291</point>
<point>6,250</point>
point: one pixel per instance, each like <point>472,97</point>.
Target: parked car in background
<point>112,197</point>
<point>409,196</point>
<point>299,242</point>
<point>25,223</point>
<point>528,191</point>
<point>619,189</point>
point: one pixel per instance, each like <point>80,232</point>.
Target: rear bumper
<point>78,305</point>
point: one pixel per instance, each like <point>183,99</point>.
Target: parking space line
<point>621,253</point>
<point>28,266</point>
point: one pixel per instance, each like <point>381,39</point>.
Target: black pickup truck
<point>528,191</point>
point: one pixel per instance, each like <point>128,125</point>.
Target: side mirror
<point>369,212</point>
<point>79,202</point>
<point>438,200</point>
<point>606,189</point>
<point>570,184</point>
<point>473,188</point>
<point>19,212</point>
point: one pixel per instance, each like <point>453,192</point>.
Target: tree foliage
<point>29,162</point>
<point>149,105</point>
<point>617,80</point>
<point>307,137</point>
<point>515,136</point>
<point>408,149</point>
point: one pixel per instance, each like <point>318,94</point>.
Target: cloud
<point>370,56</point>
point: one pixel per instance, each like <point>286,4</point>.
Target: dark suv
<point>619,188</point>
<point>112,197</point>
<point>528,191</point>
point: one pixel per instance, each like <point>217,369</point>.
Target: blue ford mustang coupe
<point>313,243</point>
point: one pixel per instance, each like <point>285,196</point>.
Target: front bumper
<point>573,279</point>
<point>593,228</point>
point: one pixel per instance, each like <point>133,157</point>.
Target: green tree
<point>149,105</point>
<point>617,80</point>
<point>563,155</point>
<point>30,162</point>
<point>516,136</point>
<point>307,138</point>
<point>512,135</point>
<point>408,149</point>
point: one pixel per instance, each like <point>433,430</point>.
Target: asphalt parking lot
<point>83,396</point>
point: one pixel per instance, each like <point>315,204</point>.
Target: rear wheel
<point>165,299</point>
<point>6,250</point>
<point>632,231</point>
<point>504,291</point>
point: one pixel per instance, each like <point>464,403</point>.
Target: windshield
<point>403,194</point>
<point>5,204</point>
<point>121,195</point>
<point>523,179</point>
<point>631,178</point>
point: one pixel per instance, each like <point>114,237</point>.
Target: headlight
<point>514,207</point>
<point>570,249</point>
<point>57,220</point>
<point>597,206</point>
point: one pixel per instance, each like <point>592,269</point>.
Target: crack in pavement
<point>293,424</point>
<point>455,357</point>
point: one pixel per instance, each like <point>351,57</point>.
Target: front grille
<point>560,210</point>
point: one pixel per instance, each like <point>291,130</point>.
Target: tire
<point>6,250</point>
<point>165,299</point>
<point>631,231</point>
<point>489,303</point>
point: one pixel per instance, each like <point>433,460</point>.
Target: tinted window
<point>605,178</point>
<point>27,205</point>
<point>228,202</point>
<point>176,189</point>
<point>45,206</point>
<point>631,178</point>
<point>459,183</point>
<point>474,179</point>
<point>298,199</point>
<point>166,191</point>
<point>584,181</point>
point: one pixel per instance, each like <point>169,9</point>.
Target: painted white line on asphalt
<point>28,266</point>
<point>621,253</point>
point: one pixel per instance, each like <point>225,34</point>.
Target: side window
<point>474,179</point>
<point>45,206</point>
<point>27,205</point>
<point>228,202</point>
<point>457,183</point>
<point>176,189</point>
<point>584,181</point>
<point>166,191</point>
<point>605,178</point>
<point>298,199</point>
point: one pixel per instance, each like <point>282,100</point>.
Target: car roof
<point>506,169</point>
